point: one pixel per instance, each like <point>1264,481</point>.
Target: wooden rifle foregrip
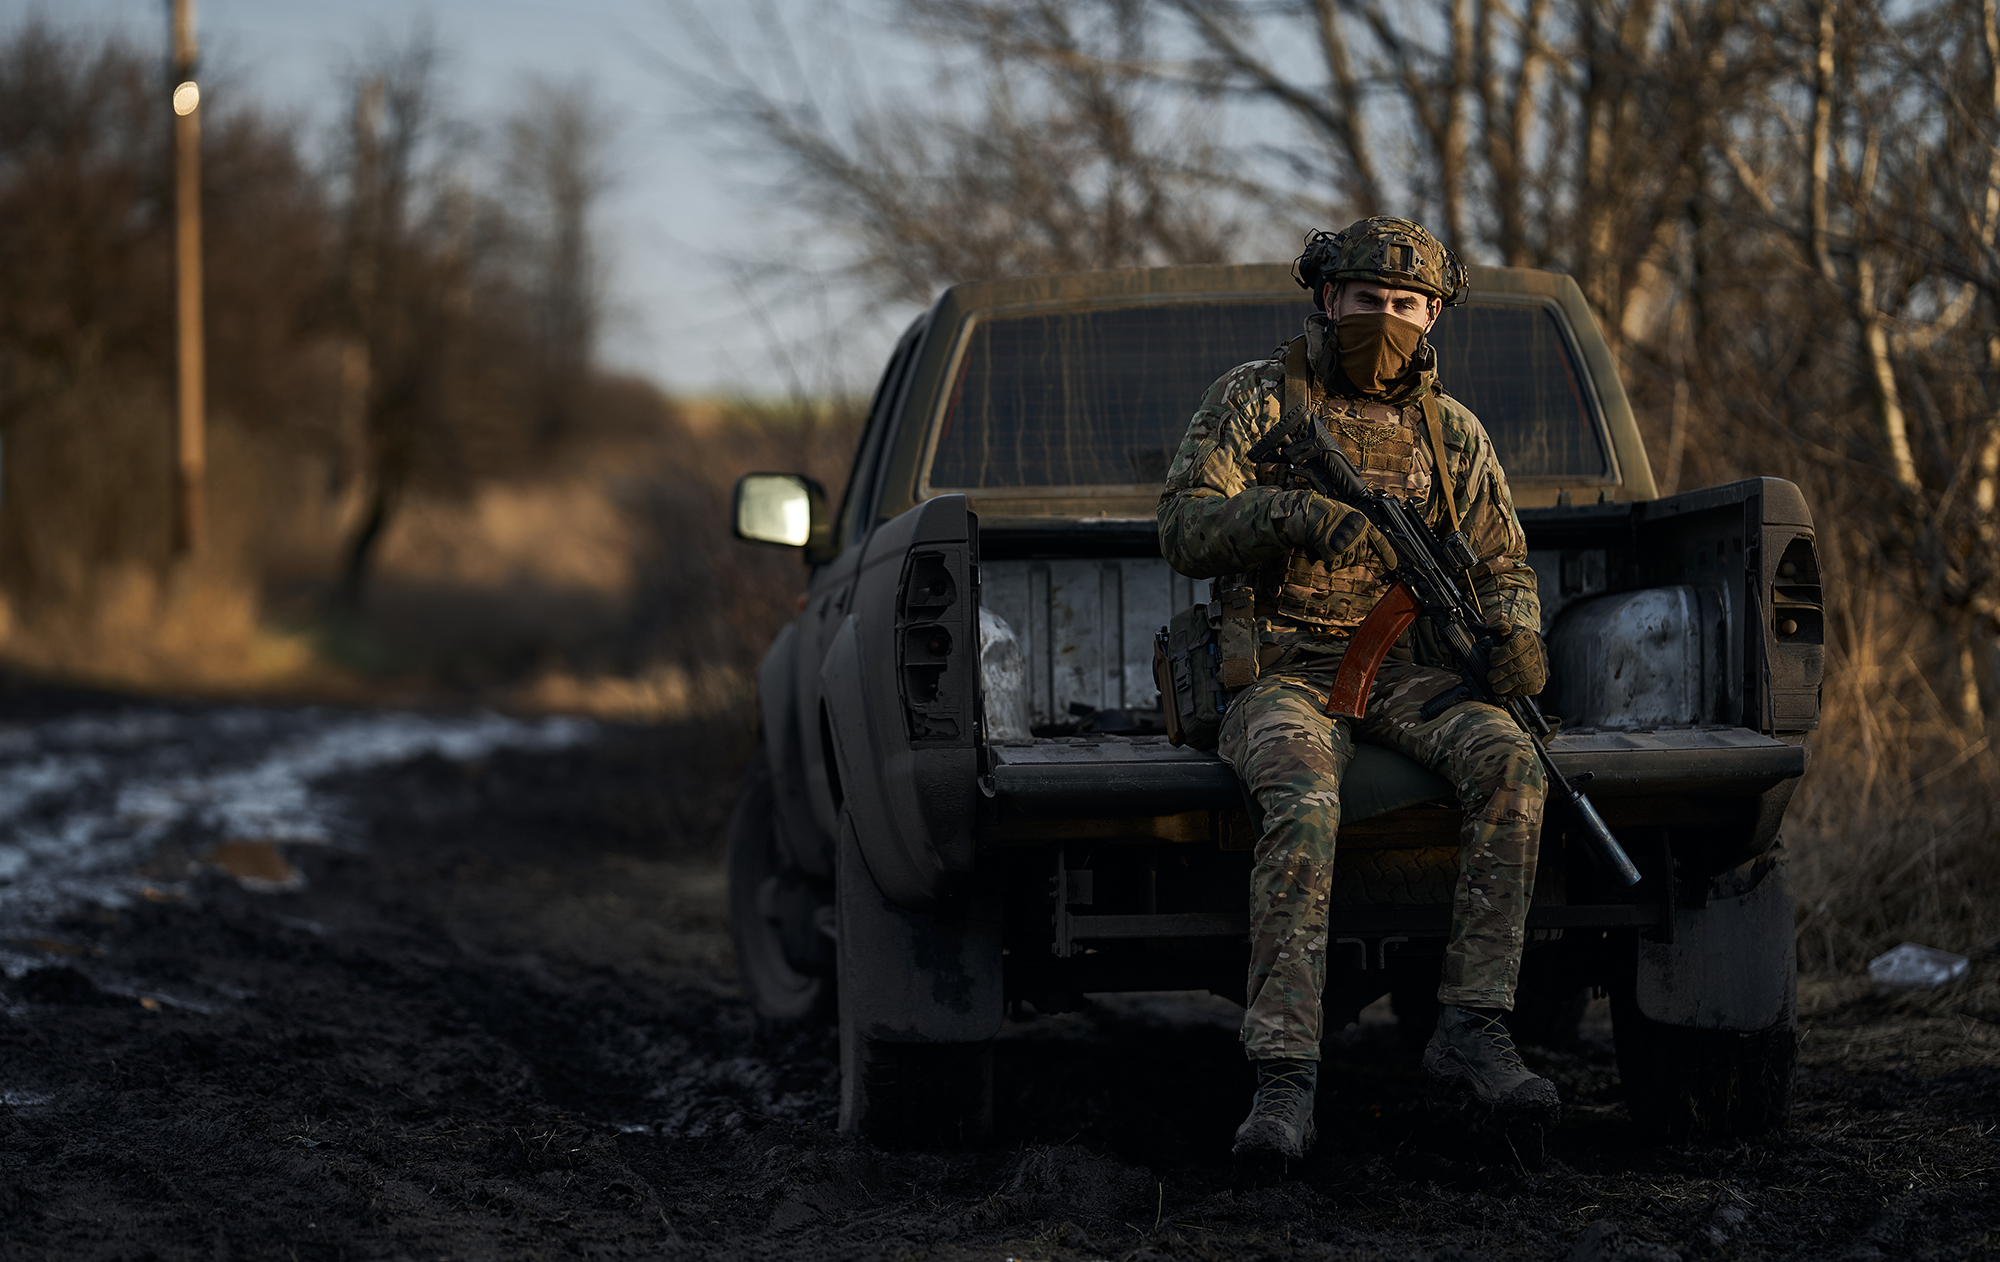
<point>1377,634</point>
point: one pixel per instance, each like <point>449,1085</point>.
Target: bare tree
<point>555,170</point>
<point>470,316</point>
<point>1550,133</point>
<point>397,320</point>
<point>1050,148</point>
<point>1863,195</point>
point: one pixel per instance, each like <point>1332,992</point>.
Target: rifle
<point>1421,585</point>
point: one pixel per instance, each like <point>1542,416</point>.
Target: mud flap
<point>1706,1025</point>
<point>920,1003</point>
<point>1731,965</point>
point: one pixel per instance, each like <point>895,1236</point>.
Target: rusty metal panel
<point>1086,627</point>
<point>1644,659</point>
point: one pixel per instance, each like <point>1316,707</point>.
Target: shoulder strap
<point>1434,422</point>
<point>1297,376</point>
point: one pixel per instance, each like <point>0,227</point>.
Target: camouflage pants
<point>1291,755</point>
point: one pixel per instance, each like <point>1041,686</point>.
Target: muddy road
<point>319,984</point>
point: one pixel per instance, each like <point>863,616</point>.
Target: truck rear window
<point>1101,398</point>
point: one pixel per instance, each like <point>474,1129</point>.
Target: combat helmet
<point>1400,253</point>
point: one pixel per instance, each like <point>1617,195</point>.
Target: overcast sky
<point>673,221</point>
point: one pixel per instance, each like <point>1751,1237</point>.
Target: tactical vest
<point>1390,447</point>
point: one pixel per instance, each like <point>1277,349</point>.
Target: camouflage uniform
<point>1220,515</point>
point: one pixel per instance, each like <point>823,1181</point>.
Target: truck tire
<point>1685,1084</point>
<point>921,1002</point>
<point>784,960</point>
<point>929,1096</point>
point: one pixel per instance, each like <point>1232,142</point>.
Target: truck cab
<point>964,797</point>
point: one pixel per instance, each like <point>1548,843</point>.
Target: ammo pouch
<point>1202,653</point>
<point>1187,664</point>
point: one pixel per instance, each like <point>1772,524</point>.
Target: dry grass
<point>609,584</point>
<point>87,588</point>
<point>659,694</point>
<point>1892,834</point>
<point>1849,1022</point>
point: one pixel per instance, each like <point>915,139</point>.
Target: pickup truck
<point>963,798</point>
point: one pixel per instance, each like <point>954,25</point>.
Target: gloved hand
<point>1517,667</point>
<point>1326,529</point>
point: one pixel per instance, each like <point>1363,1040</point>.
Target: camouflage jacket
<point>1219,517</point>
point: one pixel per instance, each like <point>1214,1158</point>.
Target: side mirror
<point>788,509</point>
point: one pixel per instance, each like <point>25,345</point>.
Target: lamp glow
<point>186,97</point>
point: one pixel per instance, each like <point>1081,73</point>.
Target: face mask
<point>1375,349</point>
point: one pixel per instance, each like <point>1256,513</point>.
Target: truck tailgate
<point>1108,774</point>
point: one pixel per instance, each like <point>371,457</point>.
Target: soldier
<point>1364,367</point>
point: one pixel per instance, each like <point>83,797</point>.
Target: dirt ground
<point>490,1014</point>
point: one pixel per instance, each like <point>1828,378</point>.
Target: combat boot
<point>1473,1057</point>
<point>1280,1125</point>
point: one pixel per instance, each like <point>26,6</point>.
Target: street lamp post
<point>190,446</point>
